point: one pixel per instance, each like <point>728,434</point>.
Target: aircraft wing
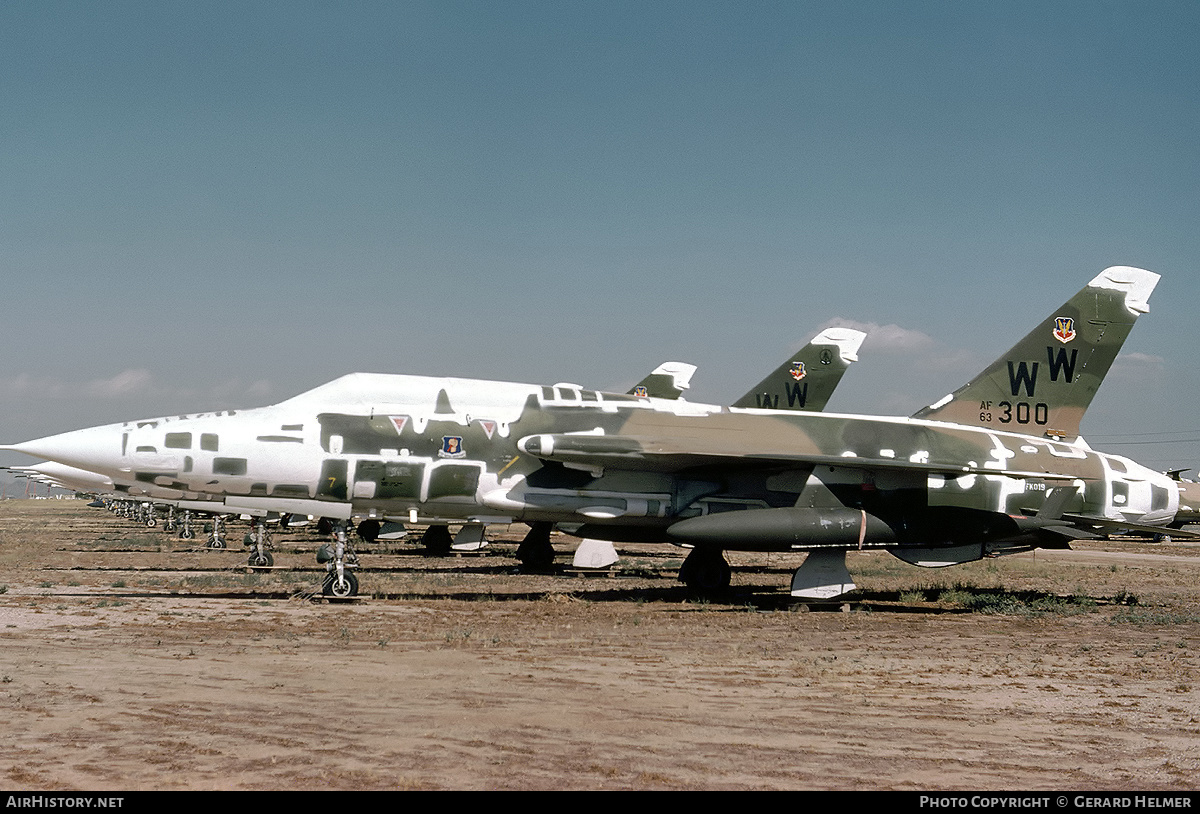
<point>668,455</point>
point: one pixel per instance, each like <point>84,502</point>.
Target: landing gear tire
<point>705,571</point>
<point>187,534</point>
<point>263,560</point>
<point>437,541</point>
<point>535,551</point>
<point>347,587</point>
<point>368,530</point>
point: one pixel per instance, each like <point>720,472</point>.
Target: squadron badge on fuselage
<point>452,447</point>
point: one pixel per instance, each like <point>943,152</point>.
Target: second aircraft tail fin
<point>667,381</point>
<point>808,378</point>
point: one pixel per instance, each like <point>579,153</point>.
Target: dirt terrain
<point>133,660</point>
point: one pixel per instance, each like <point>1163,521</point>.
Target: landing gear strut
<point>216,538</point>
<point>339,557</point>
<point>260,545</point>
<point>186,532</point>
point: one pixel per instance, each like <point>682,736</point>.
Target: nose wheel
<point>186,532</point>
<point>260,545</point>
<point>343,588</point>
<point>339,557</point>
<point>216,538</point>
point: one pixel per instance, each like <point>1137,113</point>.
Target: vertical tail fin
<point>667,381</point>
<point>1044,384</point>
<point>808,378</point>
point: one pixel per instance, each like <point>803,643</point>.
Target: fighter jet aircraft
<point>995,467</point>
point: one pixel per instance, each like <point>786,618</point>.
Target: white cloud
<point>126,383</point>
<point>237,393</point>
<point>137,385</point>
<point>25,386</point>
<point>1137,369</point>
<point>885,338</point>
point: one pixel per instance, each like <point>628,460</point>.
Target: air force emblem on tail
<point>1064,329</point>
<point>798,371</point>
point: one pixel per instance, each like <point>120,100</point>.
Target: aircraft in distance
<point>64,477</point>
<point>667,381</point>
<point>138,502</point>
<point>1189,500</point>
<point>817,367</point>
<point>996,467</point>
<point>808,378</point>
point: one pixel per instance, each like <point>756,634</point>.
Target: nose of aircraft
<point>96,449</point>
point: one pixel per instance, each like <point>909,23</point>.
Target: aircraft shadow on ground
<point>738,599</point>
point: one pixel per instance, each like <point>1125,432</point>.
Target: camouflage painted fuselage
<point>623,467</point>
<point>994,466</point>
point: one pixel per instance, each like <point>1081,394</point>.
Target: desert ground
<point>133,660</point>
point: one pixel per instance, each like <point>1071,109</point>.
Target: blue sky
<point>220,205</point>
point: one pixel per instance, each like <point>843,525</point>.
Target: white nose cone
<point>96,449</point>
